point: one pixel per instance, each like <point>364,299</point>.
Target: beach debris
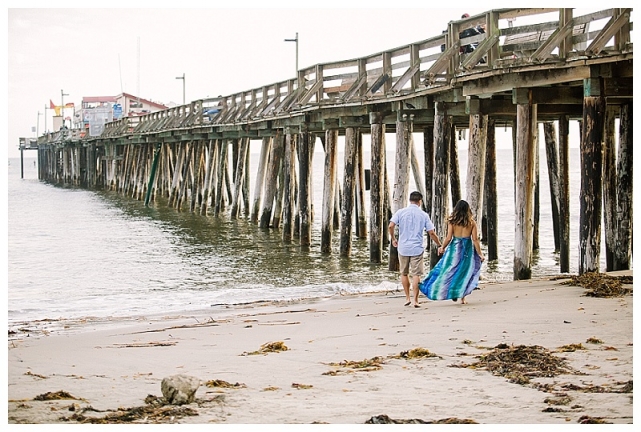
<point>561,399</point>
<point>521,363</point>
<point>602,285</point>
<point>302,386</point>
<point>146,344</point>
<point>593,340</point>
<point>385,419</point>
<point>179,389</point>
<point>365,365</point>
<point>269,347</point>
<point>224,384</point>
<point>571,347</point>
<point>618,387</point>
<point>142,414</point>
<point>415,353</point>
<point>271,388</point>
<point>586,419</point>
<point>54,396</point>
<point>35,375</point>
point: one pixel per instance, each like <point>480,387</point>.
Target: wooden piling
<point>475,178</point>
<point>239,176</point>
<point>491,200</point>
<point>288,186</point>
<point>455,177</point>
<point>440,197</point>
<point>564,194</point>
<point>609,187</point>
<point>361,213</point>
<point>220,177</point>
<point>271,179</point>
<point>329,190</point>
<point>623,252</point>
<point>591,184</point>
<point>304,190</point>
<point>551,152</point>
<point>377,225</point>
<point>265,149</point>
<point>537,193</point>
<point>400,194</point>
<point>524,185</point>
<point>347,207</point>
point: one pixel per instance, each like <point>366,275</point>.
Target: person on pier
<point>412,222</point>
<point>457,273</point>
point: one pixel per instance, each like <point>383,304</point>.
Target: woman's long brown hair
<point>461,215</point>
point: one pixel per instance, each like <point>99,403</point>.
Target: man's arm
<point>390,228</point>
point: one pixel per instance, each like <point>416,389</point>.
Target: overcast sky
<point>103,52</point>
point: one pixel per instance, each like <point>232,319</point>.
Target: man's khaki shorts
<point>411,265</point>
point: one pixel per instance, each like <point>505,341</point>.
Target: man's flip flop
<point>417,305</point>
<point>407,304</point>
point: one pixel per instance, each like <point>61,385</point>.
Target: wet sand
<point>111,365</point>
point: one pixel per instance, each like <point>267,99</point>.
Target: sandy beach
<point>343,360</point>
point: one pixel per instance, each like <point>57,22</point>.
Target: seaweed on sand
<point>269,347</point>
<point>602,285</point>
<point>521,363</point>
<point>385,419</point>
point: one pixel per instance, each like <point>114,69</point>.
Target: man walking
<point>412,221</point>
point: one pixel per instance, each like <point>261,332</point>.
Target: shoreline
<point>112,364</point>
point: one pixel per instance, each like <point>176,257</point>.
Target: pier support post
<point>623,252</point>
<point>288,186</point>
<point>524,183</point>
<point>376,217</point>
<point>400,195</point>
<point>304,187</point>
<point>455,176</point>
<point>475,178</point>
<point>591,177</point>
<point>347,207</point>
<point>428,155</point>
<point>265,150</point>
<point>440,191</point>
<point>329,189</point>
<point>491,202</point>
<point>271,183</point>
<point>361,214</point>
<point>551,151</point>
<point>564,194</point>
<point>609,187</point>
<point>239,179</point>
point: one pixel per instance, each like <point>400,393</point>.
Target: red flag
<point>51,104</point>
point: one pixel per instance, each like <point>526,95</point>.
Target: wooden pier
<point>553,71</point>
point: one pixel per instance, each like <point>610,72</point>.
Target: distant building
<point>95,111</point>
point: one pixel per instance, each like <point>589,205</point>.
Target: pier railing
<point>425,67</point>
<point>421,67</point>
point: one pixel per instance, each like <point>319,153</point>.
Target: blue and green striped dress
<point>456,274</point>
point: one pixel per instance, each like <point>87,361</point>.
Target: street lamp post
<point>183,78</point>
<point>62,106</point>
<point>297,80</point>
<point>38,124</point>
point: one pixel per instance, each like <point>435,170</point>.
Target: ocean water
<point>75,253</point>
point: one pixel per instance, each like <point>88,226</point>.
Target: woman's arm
<point>448,239</point>
<point>476,242</point>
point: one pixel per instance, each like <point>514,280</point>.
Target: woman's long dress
<point>456,274</point>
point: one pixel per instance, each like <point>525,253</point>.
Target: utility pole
<point>62,106</point>
<point>183,78</point>
<point>297,80</point>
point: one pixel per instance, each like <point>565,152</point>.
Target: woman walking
<point>457,273</point>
